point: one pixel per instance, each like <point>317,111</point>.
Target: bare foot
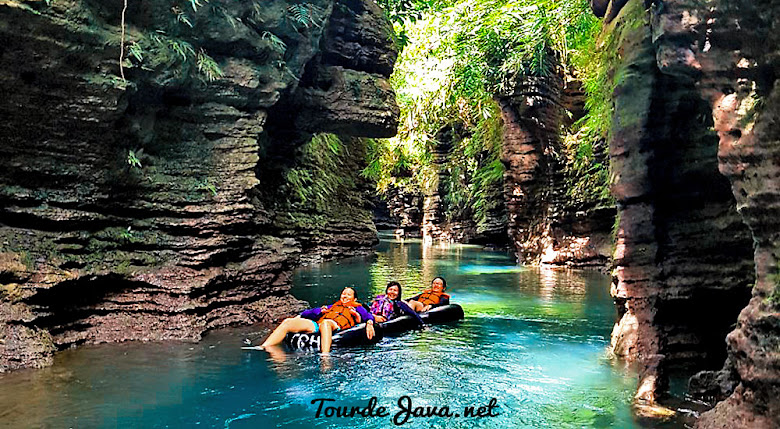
<point>276,353</point>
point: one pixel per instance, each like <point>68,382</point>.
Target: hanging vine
<point>122,43</point>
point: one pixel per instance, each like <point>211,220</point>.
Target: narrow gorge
<point>165,168</point>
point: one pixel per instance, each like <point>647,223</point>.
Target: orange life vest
<point>429,297</point>
<point>341,314</point>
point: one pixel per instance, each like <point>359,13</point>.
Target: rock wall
<point>545,224</point>
<point>134,210</point>
<point>732,47</point>
<point>405,211</point>
<point>684,264</point>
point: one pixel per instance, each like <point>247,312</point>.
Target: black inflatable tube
<point>441,314</point>
<point>400,324</point>
<point>356,335</point>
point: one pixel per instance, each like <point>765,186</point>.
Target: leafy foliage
<point>208,67</point>
<point>206,185</point>
<point>459,56</point>
<point>587,168</point>
<point>160,52</point>
<point>319,174</point>
<point>305,15</point>
<point>276,44</point>
<point>299,14</point>
<point>181,16</point>
<point>133,160</point>
<point>196,4</point>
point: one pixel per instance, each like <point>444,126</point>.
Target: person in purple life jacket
<point>389,306</point>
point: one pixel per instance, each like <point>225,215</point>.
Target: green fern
<point>276,44</point>
<point>300,15</point>
<point>208,67</point>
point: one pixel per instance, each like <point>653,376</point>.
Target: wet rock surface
<point>132,210</point>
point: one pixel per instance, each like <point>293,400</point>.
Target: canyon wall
<point>683,266</point>
<point>694,153</point>
<point>143,209</point>
<point>546,223</point>
<point>736,47</point>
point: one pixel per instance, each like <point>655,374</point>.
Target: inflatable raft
<point>442,314</point>
<point>356,335</point>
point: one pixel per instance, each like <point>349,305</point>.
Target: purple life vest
<point>383,306</point>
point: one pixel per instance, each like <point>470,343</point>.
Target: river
<point>533,341</point>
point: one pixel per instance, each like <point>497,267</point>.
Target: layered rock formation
<point>545,224</point>
<point>135,210</point>
<point>444,219</point>
<point>738,60</point>
<point>405,211</point>
<point>683,267</point>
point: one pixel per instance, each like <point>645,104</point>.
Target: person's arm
<point>365,316</point>
<point>312,313</point>
<point>405,309</point>
<point>369,319</point>
<point>414,298</point>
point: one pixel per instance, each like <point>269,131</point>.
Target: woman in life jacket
<point>432,297</point>
<point>343,314</point>
<point>389,306</point>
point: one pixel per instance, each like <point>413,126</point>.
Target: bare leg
<point>326,334</point>
<point>294,324</point>
<point>325,362</point>
<point>417,306</point>
<point>276,353</point>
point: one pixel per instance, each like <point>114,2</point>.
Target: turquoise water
<point>533,339</point>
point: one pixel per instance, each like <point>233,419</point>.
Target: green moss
<point>26,260</point>
<point>122,267</point>
<point>774,297</point>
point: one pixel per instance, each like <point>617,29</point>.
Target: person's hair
<point>443,282</point>
<point>394,283</point>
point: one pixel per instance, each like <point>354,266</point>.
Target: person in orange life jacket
<point>343,314</point>
<point>389,306</point>
<point>430,298</point>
